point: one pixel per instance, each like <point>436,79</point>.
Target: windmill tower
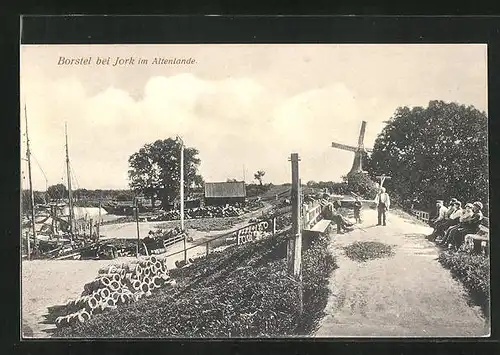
<point>357,164</point>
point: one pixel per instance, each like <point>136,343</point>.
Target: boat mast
<point>32,197</point>
<point>70,193</point>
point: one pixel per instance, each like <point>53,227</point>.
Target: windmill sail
<point>344,147</point>
<point>359,150</point>
<point>362,134</point>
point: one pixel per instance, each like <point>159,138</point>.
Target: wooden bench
<point>479,241</point>
<point>319,227</point>
<point>309,235</point>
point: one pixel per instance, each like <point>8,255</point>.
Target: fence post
<point>207,250</point>
<point>274,226</point>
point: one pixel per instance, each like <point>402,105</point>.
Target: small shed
<point>222,193</point>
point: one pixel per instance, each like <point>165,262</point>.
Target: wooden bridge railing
<point>421,215</point>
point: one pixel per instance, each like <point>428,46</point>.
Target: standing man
<point>357,210</point>
<point>383,203</point>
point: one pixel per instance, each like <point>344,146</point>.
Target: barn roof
<point>225,189</point>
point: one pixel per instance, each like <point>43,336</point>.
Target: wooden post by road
<point>294,251</point>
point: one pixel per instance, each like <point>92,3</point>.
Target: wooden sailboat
<point>74,242</point>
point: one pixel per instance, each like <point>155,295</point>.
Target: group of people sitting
<point>332,212</point>
<point>453,223</point>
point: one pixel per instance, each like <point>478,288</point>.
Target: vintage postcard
<point>254,190</point>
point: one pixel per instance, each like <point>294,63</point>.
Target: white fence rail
<point>421,215</point>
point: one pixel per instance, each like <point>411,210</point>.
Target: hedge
<point>474,273</point>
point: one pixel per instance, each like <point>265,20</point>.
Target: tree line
<point>431,153</point>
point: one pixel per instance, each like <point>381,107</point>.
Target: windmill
<point>357,165</point>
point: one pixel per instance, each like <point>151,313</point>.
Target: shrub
<point>317,265</point>
<point>362,185</point>
<point>474,273</point>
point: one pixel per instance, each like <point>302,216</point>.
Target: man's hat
<point>439,201</point>
<point>478,205</point>
<point>453,200</point>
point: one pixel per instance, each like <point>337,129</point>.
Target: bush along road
<point>474,272</point>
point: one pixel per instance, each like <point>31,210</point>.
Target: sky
<point>244,107</point>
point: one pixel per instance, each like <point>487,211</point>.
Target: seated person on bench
<point>466,214</point>
<point>451,219</point>
<point>441,213</point>
<point>469,225</point>
<point>333,214</point>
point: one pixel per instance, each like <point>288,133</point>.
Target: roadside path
<point>409,294</point>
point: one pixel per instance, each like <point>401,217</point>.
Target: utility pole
<point>181,197</point>
<point>70,193</point>
<point>99,221</point>
<point>294,255</point>
<point>137,225</point>
<point>32,197</point>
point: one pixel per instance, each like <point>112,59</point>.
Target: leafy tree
<point>39,198</point>
<point>155,170</point>
<point>124,196</point>
<point>433,153</point>
<point>361,184</point>
<point>198,181</point>
<point>312,183</point>
<point>57,192</point>
<point>259,175</point>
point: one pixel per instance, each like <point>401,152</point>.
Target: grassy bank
<point>242,291</point>
<point>474,273</point>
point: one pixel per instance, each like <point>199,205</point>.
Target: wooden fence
<point>311,214</point>
<point>421,215</point>
<point>239,236</point>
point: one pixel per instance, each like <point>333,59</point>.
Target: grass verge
<point>242,291</point>
<point>364,251</point>
<point>473,271</point>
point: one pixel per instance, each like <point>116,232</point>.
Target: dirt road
<point>409,294</point>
